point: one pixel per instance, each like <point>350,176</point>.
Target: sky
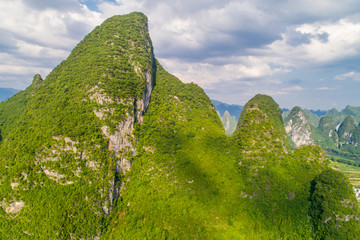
<point>301,52</point>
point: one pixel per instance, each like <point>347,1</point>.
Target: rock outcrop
<point>298,127</point>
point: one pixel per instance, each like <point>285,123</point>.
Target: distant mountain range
<point>337,132</point>
<point>229,114</point>
<point>6,93</point>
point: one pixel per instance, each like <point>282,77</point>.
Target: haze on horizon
<point>301,52</point>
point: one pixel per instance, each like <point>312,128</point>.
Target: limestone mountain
<point>267,106</point>
<point>269,171</point>
<point>326,126</point>
<point>229,122</point>
<point>298,127</point>
<point>353,111</point>
<point>12,109</point>
<point>233,109</point>
<point>71,139</point>
<point>112,146</point>
<point>346,128</point>
<point>229,115</point>
<point>312,116</point>
<point>355,137</point>
<point>334,208</point>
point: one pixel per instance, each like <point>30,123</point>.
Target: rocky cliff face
<point>298,128</point>
<point>122,141</point>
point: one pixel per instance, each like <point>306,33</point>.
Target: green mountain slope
<point>273,113</point>
<point>353,111</point>
<point>334,208</point>
<point>181,185</point>
<point>62,163</point>
<point>277,183</point>
<point>12,109</point>
<point>111,146</point>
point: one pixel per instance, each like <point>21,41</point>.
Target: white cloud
<point>348,76</point>
<point>22,70</point>
<point>37,51</point>
<point>38,36</point>
<point>293,88</point>
<point>245,70</point>
<point>326,88</point>
<point>257,45</point>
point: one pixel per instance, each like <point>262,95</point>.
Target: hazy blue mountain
<point>319,112</point>
<point>6,93</point>
<point>233,109</point>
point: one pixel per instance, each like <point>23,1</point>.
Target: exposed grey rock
<point>298,128</point>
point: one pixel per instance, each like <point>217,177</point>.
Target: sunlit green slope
<point>111,146</point>
<point>69,141</point>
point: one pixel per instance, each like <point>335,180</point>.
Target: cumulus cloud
<point>37,35</point>
<point>348,76</point>
<point>326,88</point>
<point>243,47</point>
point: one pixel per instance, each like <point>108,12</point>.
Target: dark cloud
<point>295,38</point>
<point>7,43</point>
<point>77,29</point>
<point>324,37</point>
<point>234,28</point>
<point>63,5</point>
<point>218,33</point>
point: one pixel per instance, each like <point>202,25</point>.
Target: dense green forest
<point>112,146</point>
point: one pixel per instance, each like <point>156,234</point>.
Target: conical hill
<point>73,140</point>
<point>266,120</point>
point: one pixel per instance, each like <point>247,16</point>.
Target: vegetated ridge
<point>111,146</point>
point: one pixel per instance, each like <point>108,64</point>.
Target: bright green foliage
<point>61,175</point>
<point>182,185</point>
<point>272,111</point>
<point>276,183</point>
<point>55,160</point>
<point>11,110</point>
<point>187,180</point>
<point>334,209</point>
